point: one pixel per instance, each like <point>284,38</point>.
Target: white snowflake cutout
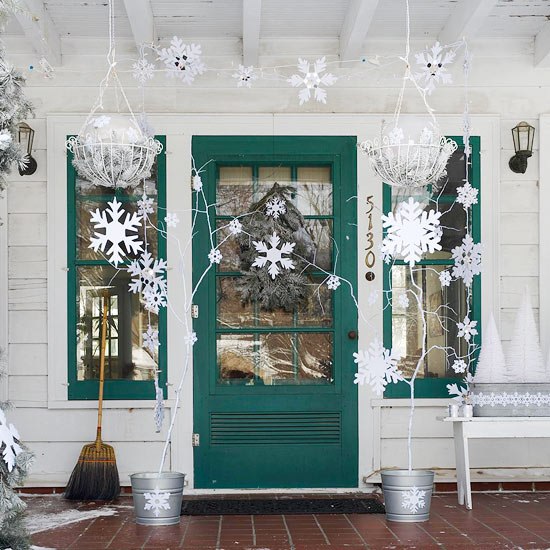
<point>215,256</point>
<point>273,255</point>
<point>151,339</point>
<point>467,195</point>
<point>445,278</point>
<point>245,76</point>
<point>373,297</point>
<point>148,274</point>
<point>117,233</point>
<point>145,205</point>
<point>467,259</point>
<point>182,60</point>
<point>461,393</point>
<point>235,226</point>
<point>433,67</point>
<point>9,437</point>
<point>459,366</point>
<point>157,501</point>
<point>333,282</point>
<point>154,300</point>
<point>466,329</point>
<point>377,367</point>
<point>403,300</point>
<point>413,499</point>
<point>275,207</point>
<point>191,338</point>
<point>171,220</point>
<point>197,183</point>
<point>411,231</point>
<point>143,70</point>
<point>312,79</point>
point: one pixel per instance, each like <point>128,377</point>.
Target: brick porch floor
<point>501,520</point>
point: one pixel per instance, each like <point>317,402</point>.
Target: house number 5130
<point>370,257</point>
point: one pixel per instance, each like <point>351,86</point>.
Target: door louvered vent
<point>275,428</point>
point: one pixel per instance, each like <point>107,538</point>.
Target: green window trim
<point>114,389</point>
<point>436,387</point>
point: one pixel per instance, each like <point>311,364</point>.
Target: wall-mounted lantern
<point>523,135</point>
<point>26,137</point>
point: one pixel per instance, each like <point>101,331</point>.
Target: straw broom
<point>95,476</point>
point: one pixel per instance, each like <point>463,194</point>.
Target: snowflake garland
<point>145,205</point>
<point>182,60</point>
<point>143,70</point>
<point>466,329</point>
<point>191,339</point>
<point>275,207</point>
<point>413,499</point>
<point>445,278</point>
<point>312,80</point>
<point>467,259</point>
<point>467,195</point>
<point>411,232</point>
<point>459,366</point>
<point>171,220</point>
<point>433,64</point>
<point>245,76</point>
<point>117,233</point>
<point>215,256</point>
<point>151,339</point>
<point>197,183</point>
<point>149,278</point>
<point>333,282</point>
<point>273,255</point>
<point>235,226</point>
<point>403,301</point>
<point>9,437</point>
<point>377,366</point>
<point>514,399</point>
<point>157,501</point>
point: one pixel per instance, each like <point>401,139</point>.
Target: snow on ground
<point>44,522</point>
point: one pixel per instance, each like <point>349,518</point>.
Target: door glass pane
<point>235,190</point>
<point>320,232</point>
<point>314,190</point>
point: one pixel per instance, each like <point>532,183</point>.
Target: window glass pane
<point>235,190</point>
<point>445,306</point>
<point>125,356</point>
<point>228,245</point>
<point>320,232</point>
<point>314,190</point>
<point>275,358</point>
<point>456,173</point>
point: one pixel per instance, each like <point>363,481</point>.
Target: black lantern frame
<point>25,137</point>
<point>523,135</point>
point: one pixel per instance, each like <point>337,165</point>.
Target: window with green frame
<point>445,306</point>
<point>129,366</point>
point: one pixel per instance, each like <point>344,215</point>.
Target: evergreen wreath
<point>288,288</point>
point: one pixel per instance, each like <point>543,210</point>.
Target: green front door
<point>275,405</point>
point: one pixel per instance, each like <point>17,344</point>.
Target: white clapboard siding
<point>27,294</point>
<point>27,262</point>
<point>27,229</point>
<point>519,228</point>
<point>511,291</point>
<point>28,327</point>
<point>507,320</point>
<point>519,196</point>
<point>28,390</point>
<point>28,359</point>
<point>27,197</point>
<point>519,260</point>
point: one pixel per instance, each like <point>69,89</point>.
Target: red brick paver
<point>503,520</point>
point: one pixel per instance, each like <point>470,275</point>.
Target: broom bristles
<point>95,476</point>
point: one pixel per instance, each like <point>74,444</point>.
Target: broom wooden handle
<point>103,345</point>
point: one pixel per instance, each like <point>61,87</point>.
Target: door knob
<point>352,335</point>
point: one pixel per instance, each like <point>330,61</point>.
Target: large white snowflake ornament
<point>466,329</point>
<point>151,339</point>
<point>117,241</point>
<point>413,499</point>
<point>9,446</point>
<point>467,259</point>
<point>411,232</point>
<point>245,76</point>
<point>157,501</point>
<point>182,60</point>
<point>377,366</point>
<point>467,195</point>
<point>273,255</point>
<point>275,207</point>
<point>312,80</point>
<point>142,70</point>
<point>433,67</point>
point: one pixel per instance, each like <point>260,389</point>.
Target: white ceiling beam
<point>465,20</point>
<point>142,22</point>
<point>40,30</point>
<point>355,28</point>
<point>542,47</point>
<point>252,15</point>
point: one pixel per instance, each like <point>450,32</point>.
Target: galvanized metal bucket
<point>407,494</point>
<point>157,497</point>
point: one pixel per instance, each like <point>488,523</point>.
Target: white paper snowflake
<point>312,80</point>
<point>171,220</point>
<point>235,226</point>
<point>413,499</point>
<point>215,256</point>
<point>467,259</point>
<point>157,501</point>
<point>117,233</point>
<point>143,70</point>
<point>467,195</point>
<point>433,67</point>
<point>148,275</point>
<point>333,282</point>
<point>377,367</point>
<point>9,437</point>
<point>273,255</point>
<point>154,300</point>
<point>145,205</point>
<point>182,60</point>
<point>461,393</point>
<point>459,366</point>
<point>245,76</point>
<point>411,231</point>
<point>151,339</point>
<point>466,329</point>
<point>403,301</point>
<point>197,183</point>
<point>275,207</point>
<point>191,338</point>
<point>445,278</point>
<point>373,297</point>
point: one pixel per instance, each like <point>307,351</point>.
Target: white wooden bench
<point>487,428</point>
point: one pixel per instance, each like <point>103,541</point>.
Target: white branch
<point>252,14</point>
<point>355,28</point>
<point>140,15</point>
<point>40,30</point>
<point>465,20</point>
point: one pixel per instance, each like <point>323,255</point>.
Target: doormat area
<point>251,507</point>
